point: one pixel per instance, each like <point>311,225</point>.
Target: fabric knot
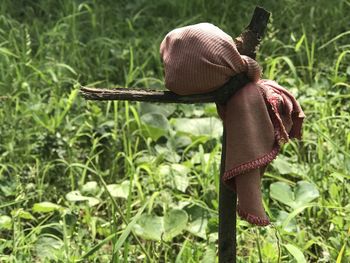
<point>252,68</point>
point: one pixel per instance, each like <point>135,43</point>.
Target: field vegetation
<point>84,181</point>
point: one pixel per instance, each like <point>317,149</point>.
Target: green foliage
<point>135,182</point>
<point>45,207</point>
<point>303,194</point>
<point>151,227</point>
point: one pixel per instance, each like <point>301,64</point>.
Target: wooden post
<point>227,215</point>
<point>247,43</point>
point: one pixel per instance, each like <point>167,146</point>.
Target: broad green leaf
<point>334,191</point>
<point>76,196</point>
<point>90,188</point>
<point>92,201</point>
<point>5,222</point>
<point>179,173</point>
<point>209,255</point>
<point>181,182</point>
<point>282,165</point>
<point>338,221</point>
<point>198,221</point>
<point>282,192</point>
<point>296,253</point>
<point>8,190</point>
<point>174,223</point>
<point>45,207</point>
<point>210,109</point>
<point>181,141</point>
<point>211,127</point>
<point>48,248</point>
<point>20,213</point>
<point>180,169</point>
<point>198,227</point>
<point>150,227</point>
<point>167,154</point>
<point>119,190</point>
<point>144,159</point>
<point>305,193</point>
<point>156,124</point>
<point>164,109</point>
<point>164,170</point>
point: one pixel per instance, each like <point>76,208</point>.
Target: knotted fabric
<point>258,118</point>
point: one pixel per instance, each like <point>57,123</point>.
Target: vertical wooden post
<point>228,199</point>
<point>227,215</point>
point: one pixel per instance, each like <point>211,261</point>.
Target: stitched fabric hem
<point>255,220</point>
<point>258,163</point>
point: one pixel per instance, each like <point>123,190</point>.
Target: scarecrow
<point>259,118</point>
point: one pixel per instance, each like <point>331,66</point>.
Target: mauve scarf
<point>258,118</point>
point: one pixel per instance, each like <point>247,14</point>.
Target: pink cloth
<point>258,118</point>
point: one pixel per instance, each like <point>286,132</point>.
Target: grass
<point>126,182</point>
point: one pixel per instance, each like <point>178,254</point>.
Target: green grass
<point>125,182</point>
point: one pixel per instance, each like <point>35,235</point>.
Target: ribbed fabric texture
<point>258,118</point>
<point>201,58</point>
